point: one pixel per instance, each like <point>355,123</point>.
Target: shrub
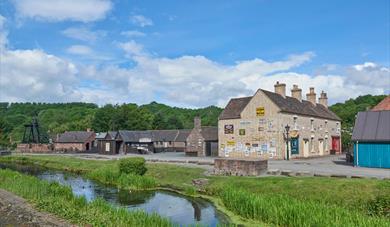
<point>137,182</point>
<point>135,166</point>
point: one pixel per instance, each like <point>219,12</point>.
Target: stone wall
<point>195,142</point>
<point>240,167</point>
<point>69,147</point>
<point>262,136</point>
<point>34,148</point>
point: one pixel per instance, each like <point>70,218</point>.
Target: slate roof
<point>183,134</point>
<point>155,135</point>
<point>372,126</point>
<point>288,105</point>
<point>100,135</point>
<point>293,105</point>
<point>209,133</point>
<point>74,137</point>
<point>383,105</point>
<point>234,108</point>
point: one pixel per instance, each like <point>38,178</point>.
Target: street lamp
<point>287,139</point>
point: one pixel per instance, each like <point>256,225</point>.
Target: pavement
<point>327,166</point>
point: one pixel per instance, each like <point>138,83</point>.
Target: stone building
<point>75,141</point>
<point>202,141</point>
<point>149,141</point>
<point>255,126</point>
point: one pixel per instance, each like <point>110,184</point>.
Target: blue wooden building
<point>371,138</point>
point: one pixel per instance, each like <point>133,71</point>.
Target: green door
<point>295,145</point>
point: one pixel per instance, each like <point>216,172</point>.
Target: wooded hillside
<point>59,117</point>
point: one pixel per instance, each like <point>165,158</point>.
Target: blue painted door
<point>376,155</point>
<point>295,145</point>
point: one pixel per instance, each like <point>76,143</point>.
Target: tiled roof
<point>183,134</point>
<point>372,126</point>
<point>74,137</point>
<point>234,108</point>
<point>286,104</point>
<point>209,133</point>
<point>293,105</point>
<point>155,135</point>
<point>383,105</point>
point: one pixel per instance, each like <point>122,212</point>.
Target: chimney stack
<point>311,96</point>
<point>323,99</point>
<point>197,123</point>
<point>296,92</point>
<point>280,89</point>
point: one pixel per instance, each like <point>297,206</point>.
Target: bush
<point>135,166</point>
<point>136,182</point>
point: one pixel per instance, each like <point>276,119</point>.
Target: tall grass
<point>58,199</point>
<point>287,211</point>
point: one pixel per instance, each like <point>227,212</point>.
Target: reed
<point>286,211</point>
<point>59,200</point>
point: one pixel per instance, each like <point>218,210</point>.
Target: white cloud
<point>36,76</point>
<point>60,10</point>
<point>3,32</point>
<point>132,48</point>
<point>190,81</point>
<point>133,33</point>
<point>83,33</point>
<point>141,21</point>
<point>79,50</point>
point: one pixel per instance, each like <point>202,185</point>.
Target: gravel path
<point>15,211</point>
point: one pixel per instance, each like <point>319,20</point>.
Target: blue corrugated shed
<point>375,155</point>
<point>371,137</point>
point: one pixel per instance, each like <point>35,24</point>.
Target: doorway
<point>336,144</point>
<point>87,146</point>
<point>295,145</point>
<point>321,146</point>
<point>305,148</point>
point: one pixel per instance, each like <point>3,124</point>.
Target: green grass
<point>283,210</point>
<point>59,200</point>
<point>317,198</point>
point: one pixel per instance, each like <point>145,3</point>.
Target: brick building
<point>255,126</point>
<point>74,141</point>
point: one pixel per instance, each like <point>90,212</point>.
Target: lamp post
<point>287,139</point>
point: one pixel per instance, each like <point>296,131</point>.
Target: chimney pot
<point>296,92</point>
<point>311,96</point>
<point>280,89</point>
<point>197,123</point>
<point>323,100</point>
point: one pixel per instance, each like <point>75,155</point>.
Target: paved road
<point>328,165</point>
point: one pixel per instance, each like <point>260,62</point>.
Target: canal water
<point>179,209</point>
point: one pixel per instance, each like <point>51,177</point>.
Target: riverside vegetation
<point>278,201</point>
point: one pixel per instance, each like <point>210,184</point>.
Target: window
<point>295,122</point>
<point>312,124</point>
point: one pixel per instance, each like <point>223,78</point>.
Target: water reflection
<point>180,209</point>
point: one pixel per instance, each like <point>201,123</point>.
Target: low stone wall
<point>34,148</point>
<point>240,167</point>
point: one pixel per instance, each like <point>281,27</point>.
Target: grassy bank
<point>59,200</point>
<point>306,201</point>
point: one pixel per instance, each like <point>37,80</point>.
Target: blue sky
<point>188,53</point>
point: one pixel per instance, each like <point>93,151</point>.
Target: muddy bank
<point>15,211</point>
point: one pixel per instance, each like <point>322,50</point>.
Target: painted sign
<point>260,111</point>
<point>230,143</point>
<point>229,129</point>
<point>241,132</point>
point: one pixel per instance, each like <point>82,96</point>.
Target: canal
<point>179,209</point>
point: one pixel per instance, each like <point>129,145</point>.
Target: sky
<point>190,53</point>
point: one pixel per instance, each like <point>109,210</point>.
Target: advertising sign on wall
<point>229,129</point>
<point>260,111</point>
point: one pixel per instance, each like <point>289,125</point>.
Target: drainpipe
<point>357,153</point>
